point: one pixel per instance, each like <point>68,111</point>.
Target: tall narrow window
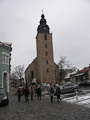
<point>46,53</point>
<point>45,37</point>
<point>32,74</point>
<point>45,45</point>
<point>46,61</point>
<point>47,70</point>
<point>5,58</point>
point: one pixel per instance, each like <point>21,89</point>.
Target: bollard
<point>76,94</point>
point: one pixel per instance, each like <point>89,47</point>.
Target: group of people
<point>29,91</point>
<point>24,91</point>
<point>53,91</point>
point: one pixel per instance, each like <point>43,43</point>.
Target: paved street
<point>43,110</point>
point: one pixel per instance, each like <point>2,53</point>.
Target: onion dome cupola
<point>43,27</point>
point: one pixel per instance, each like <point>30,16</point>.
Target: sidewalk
<point>83,100</point>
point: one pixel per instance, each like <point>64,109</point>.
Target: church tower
<point>45,60</point>
<point>42,69</point>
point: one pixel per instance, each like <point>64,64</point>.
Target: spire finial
<point>43,27</point>
<point>42,11</point>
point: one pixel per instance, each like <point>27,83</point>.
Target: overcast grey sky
<point>69,21</point>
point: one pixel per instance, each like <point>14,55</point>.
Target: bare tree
<point>17,76</point>
<point>19,71</point>
<point>13,75</point>
<point>63,63</point>
<point>65,67</point>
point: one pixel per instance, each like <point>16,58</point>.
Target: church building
<point>42,69</point>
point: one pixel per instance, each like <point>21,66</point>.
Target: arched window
<point>32,74</point>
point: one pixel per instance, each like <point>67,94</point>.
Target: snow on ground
<point>80,100</point>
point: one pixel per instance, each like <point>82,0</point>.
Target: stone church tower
<point>42,69</point>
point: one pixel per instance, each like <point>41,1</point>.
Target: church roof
<point>43,27</point>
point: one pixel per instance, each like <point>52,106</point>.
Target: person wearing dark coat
<point>58,93</point>
<point>19,94</point>
<point>39,92</point>
<point>26,93</point>
<point>51,93</point>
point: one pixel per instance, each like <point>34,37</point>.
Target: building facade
<point>42,69</point>
<point>5,58</point>
<point>81,76</point>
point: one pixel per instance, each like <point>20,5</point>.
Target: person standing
<point>51,93</point>
<point>26,93</point>
<point>31,92</point>
<point>39,92</point>
<point>19,94</point>
<point>23,91</point>
<point>58,93</point>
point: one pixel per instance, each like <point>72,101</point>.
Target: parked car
<point>3,97</point>
<point>68,87</point>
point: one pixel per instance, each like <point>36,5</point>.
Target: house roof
<point>85,69</point>
<point>81,72</point>
<point>5,44</point>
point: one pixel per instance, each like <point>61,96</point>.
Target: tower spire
<point>43,27</point>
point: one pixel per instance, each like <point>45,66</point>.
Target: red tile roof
<point>85,69</point>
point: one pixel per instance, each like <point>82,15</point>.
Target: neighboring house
<point>5,58</point>
<point>81,76</point>
<point>67,77</point>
